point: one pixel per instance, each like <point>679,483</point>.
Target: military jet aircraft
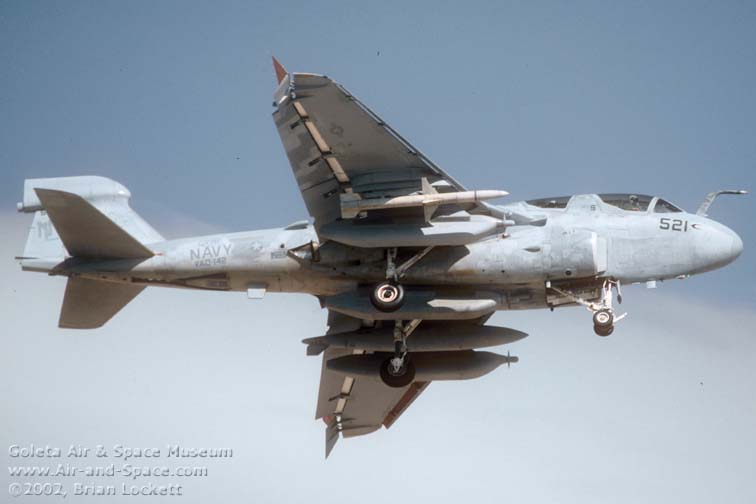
<point>408,262</point>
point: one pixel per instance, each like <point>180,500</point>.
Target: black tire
<point>387,296</point>
<point>603,331</point>
<point>398,381</point>
<point>603,318</point>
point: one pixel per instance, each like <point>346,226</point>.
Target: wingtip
<point>280,70</point>
<point>332,434</point>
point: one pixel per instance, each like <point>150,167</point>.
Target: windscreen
<point>558,202</point>
<point>664,206</point>
<point>629,202</point>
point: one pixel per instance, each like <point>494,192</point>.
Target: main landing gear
<point>388,296</point>
<point>604,317</point>
<point>399,371</point>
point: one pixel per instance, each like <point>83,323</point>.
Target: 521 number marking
<point>673,224</point>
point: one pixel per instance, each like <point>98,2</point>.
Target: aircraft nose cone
<point>737,245</point>
<point>721,245</point>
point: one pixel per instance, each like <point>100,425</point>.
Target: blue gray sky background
<point>173,99</point>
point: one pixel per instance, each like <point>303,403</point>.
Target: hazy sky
<point>173,99</point>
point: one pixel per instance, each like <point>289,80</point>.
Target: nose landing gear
<point>604,317</point>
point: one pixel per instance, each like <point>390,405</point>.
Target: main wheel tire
<point>603,331</point>
<point>603,318</point>
<point>387,296</point>
<point>398,381</point>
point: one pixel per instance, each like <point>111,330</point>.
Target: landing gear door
<point>574,253</point>
<point>546,255</point>
<point>600,254</point>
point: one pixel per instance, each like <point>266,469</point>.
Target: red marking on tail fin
<point>280,70</point>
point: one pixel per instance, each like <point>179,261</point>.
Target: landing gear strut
<point>604,317</point>
<point>388,296</point>
<point>399,371</point>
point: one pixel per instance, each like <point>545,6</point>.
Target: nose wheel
<point>604,317</point>
<point>603,322</point>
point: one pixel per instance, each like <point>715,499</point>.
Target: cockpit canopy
<point>626,201</point>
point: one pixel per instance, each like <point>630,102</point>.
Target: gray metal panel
<point>330,384</point>
<point>360,140</point>
<point>88,304</point>
<point>314,177</point>
<point>43,241</point>
<point>369,404</point>
<point>430,336</point>
<point>108,196</point>
<point>85,231</point>
<point>331,437</point>
<point>429,366</point>
<point>443,232</point>
<point>355,407</point>
<point>330,138</point>
<point>422,304</point>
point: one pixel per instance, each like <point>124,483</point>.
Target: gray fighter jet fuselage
<point>574,242</point>
<point>409,263</point>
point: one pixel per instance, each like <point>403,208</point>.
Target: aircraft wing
<point>336,145</point>
<point>354,406</point>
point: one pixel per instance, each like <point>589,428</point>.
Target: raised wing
<point>340,150</point>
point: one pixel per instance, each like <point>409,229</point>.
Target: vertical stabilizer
<point>107,196</point>
<point>43,243</point>
<point>89,220</point>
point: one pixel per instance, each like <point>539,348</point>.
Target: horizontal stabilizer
<point>85,231</point>
<point>90,303</point>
